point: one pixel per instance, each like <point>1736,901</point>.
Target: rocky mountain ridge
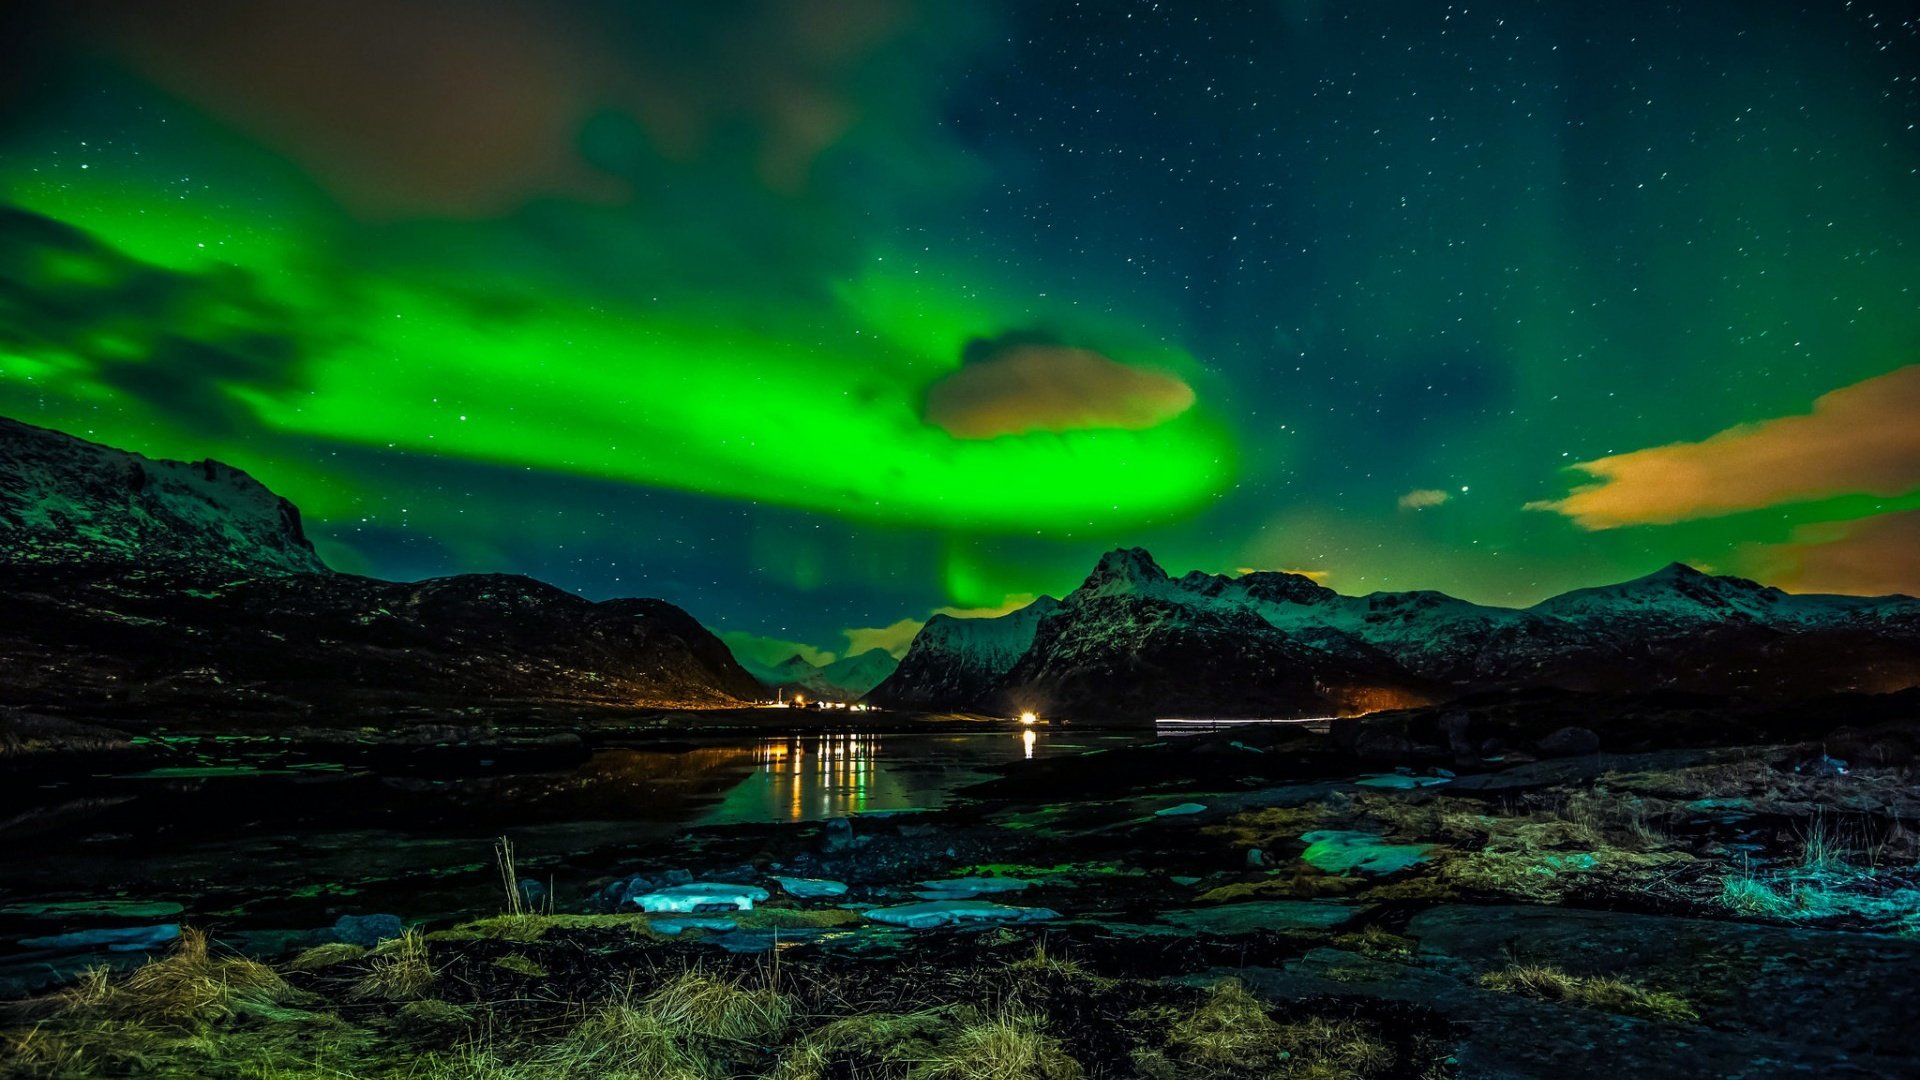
<point>1132,639</point>
<point>66,501</point>
<point>848,679</point>
<point>161,589</point>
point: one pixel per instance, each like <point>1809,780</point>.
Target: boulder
<point>1569,742</point>
<point>367,931</point>
<point>836,836</point>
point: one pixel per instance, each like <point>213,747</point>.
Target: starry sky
<point>818,316</point>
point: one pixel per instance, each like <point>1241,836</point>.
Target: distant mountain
<point>157,588</point>
<point>958,663</point>
<point>1132,640</point>
<point>846,679</point>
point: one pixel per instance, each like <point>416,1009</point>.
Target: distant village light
<point>1029,718</point>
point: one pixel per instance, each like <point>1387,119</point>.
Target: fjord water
<point>249,840</point>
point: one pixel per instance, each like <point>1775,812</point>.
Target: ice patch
<point>1400,781</point>
<point>118,939</point>
<point>700,894</point>
<point>811,888</point>
<point>1338,852</point>
<point>949,912</point>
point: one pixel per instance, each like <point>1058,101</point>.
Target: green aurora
<point>1413,264</point>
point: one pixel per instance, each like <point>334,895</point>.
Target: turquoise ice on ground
<point>700,894</point>
<point>1340,851</point>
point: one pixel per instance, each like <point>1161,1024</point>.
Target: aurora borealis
<point>817,317</point>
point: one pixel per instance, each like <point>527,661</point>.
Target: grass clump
<point>705,1007</point>
<point>1378,944</point>
<point>1827,882</point>
<point>944,1043</point>
<point>321,957</point>
<point>870,1044</point>
<point>399,970</point>
<point>1231,1034</point>
<point>692,1028</point>
<point>521,965</point>
<point>183,1006</point>
<point>1006,1046</point>
<point>1590,991</point>
<point>187,990</point>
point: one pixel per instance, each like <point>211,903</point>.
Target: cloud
<point>1024,386</point>
<point>1421,498</point>
<point>1858,439</point>
<point>1867,557</point>
<point>768,651</point>
<point>897,637</point>
<point>469,109</point>
<point>894,638</point>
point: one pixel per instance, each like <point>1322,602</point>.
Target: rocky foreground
<point>1376,902</point>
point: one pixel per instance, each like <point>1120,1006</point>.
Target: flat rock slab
<point>1229,920</point>
<point>1401,782</point>
<point>1773,1001</point>
<point>969,888</point>
<point>112,939</point>
<point>811,888</point>
<point>936,913</point>
<point>1850,991</point>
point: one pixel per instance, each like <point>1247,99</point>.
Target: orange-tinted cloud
<point>1040,387</point>
<point>468,108</point>
<point>897,637</point>
<point>1422,498</point>
<point>894,638</point>
<point>1868,557</point>
<point>1862,438</point>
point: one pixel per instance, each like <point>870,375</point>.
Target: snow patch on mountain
<point>954,662</point>
<point>65,501</point>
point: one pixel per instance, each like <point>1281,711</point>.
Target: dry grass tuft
<point>698,1005</point>
<point>399,970</point>
<point>1379,944</point>
<point>1232,1034</point>
<point>321,957</point>
<point>1007,1046</point>
<point>946,1043</point>
<point>870,1044</point>
<point>186,990</point>
<point>1593,992</point>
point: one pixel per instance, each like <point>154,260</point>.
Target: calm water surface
<point>247,841</point>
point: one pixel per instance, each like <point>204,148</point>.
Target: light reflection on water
<point>811,778</point>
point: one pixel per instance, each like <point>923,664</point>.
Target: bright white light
<point>1029,718</point>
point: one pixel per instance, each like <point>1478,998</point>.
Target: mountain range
<point>847,679</point>
<point>1132,640</point>
<point>155,588</point>
<point>151,588</point>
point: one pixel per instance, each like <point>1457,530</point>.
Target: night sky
<point>817,316</point>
